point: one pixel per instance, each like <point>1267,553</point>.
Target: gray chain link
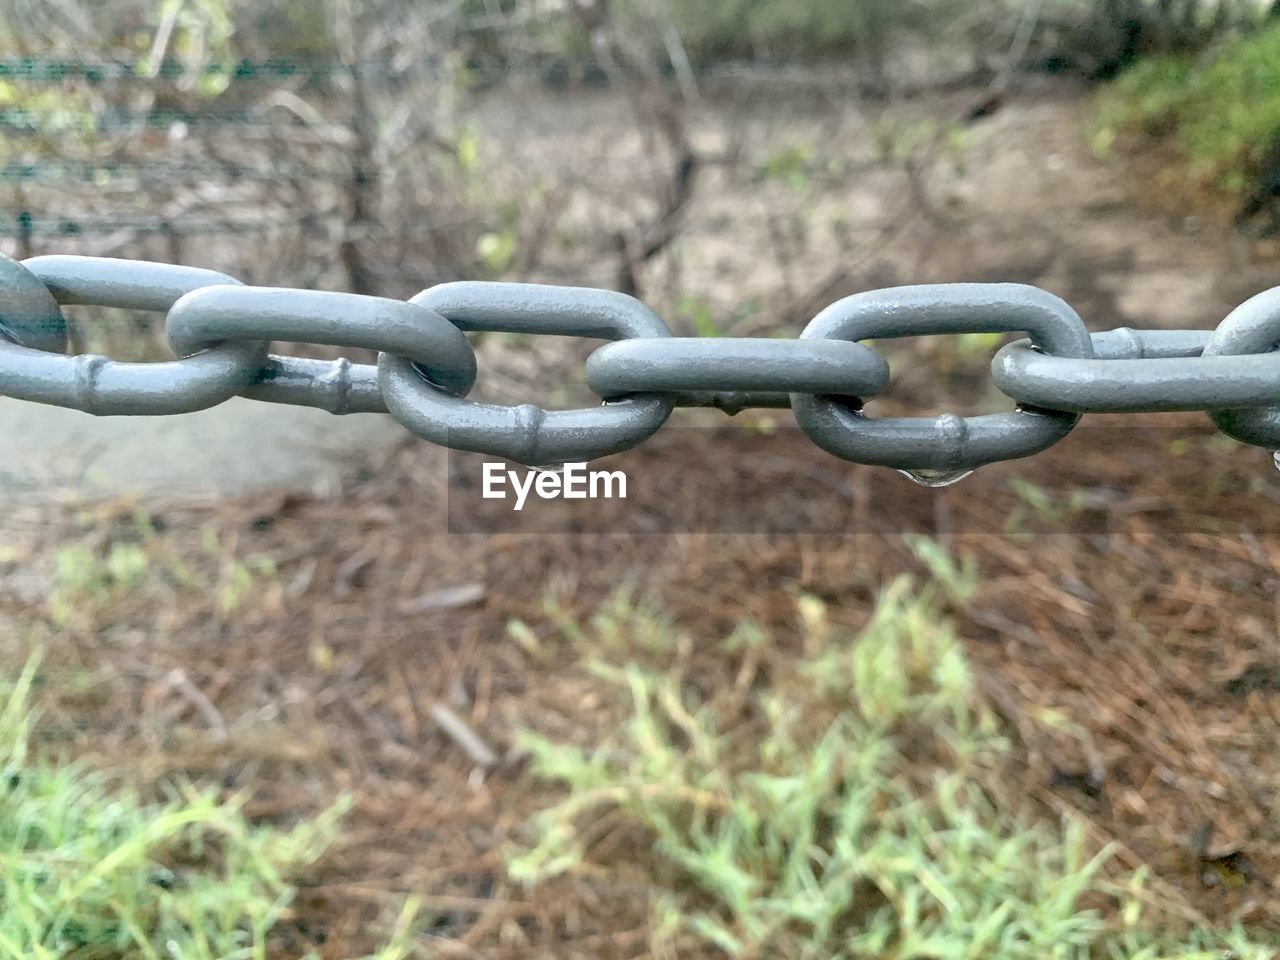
<point>213,315</point>
<point>739,365</point>
<point>29,316</point>
<point>528,433</point>
<point>219,331</point>
<point>944,448</point>
<point>1250,329</point>
<point>96,384</point>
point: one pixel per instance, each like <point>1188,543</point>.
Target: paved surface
<point>237,447</point>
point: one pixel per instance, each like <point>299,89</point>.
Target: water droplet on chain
<point>935,478</point>
<point>1275,458</point>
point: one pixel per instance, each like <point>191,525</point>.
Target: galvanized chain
<point>219,331</point>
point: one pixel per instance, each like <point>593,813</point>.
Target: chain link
<point>527,433</point>
<point>29,316</point>
<point>943,448</point>
<point>744,366</point>
<point>219,331</point>
<point>96,384</point>
<point>1250,329</point>
<point>213,315</point>
<point>1162,371</point>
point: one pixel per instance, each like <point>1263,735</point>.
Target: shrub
<point>86,870</point>
<point>851,808</point>
<point>1222,111</point>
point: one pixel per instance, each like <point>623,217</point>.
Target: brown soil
<point>1018,196</point>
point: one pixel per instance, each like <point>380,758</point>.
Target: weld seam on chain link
<point>956,431</point>
<point>338,386</point>
<point>87,367</point>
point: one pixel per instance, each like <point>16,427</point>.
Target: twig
<point>179,681</point>
<point>446,598</point>
<point>457,730</point>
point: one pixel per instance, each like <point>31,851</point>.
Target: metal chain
<point>219,331</point>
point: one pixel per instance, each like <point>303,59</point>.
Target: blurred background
<point>737,166</point>
<point>1031,715</point>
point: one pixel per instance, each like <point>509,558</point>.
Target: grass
<point>90,870</point>
<point>847,802</point>
<point>1221,112</point>
<point>96,579</point>
<point>1144,624</point>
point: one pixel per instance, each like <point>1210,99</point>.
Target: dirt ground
<point>801,201</point>
<point>1145,624</point>
<point>1127,629</point>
